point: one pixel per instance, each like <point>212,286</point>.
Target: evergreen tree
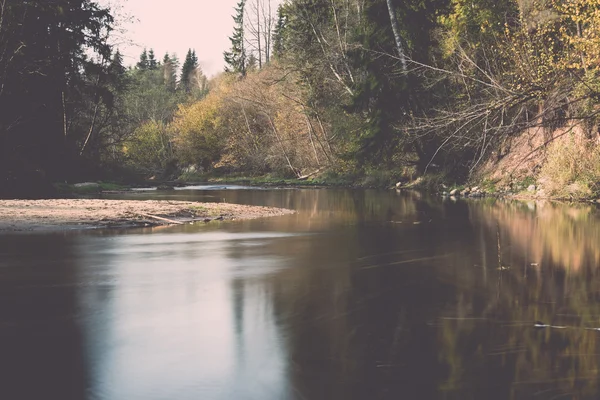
<point>117,71</point>
<point>152,63</point>
<point>45,50</point>
<point>116,65</point>
<point>236,57</point>
<point>279,33</point>
<point>176,66</point>
<point>143,64</point>
<point>187,71</point>
<point>252,63</point>
<point>169,73</point>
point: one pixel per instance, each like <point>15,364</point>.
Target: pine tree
<point>252,63</point>
<point>117,71</point>
<point>175,64</point>
<point>152,63</point>
<point>236,57</point>
<point>143,65</point>
<point>189,68</point>
<point>116,65</point>
<point>169,73</point>
<point>279,33</point>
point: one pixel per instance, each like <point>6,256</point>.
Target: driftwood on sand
<point>170,221</point>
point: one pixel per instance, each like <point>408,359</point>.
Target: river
<point>362,294</point>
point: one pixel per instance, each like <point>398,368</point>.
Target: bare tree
<point>259,23</point>
<point>268,22</point>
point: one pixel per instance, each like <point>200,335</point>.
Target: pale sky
<point>177,25</point>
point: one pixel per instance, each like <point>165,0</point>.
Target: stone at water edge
<point>165,187</point>
<point>399,185</point>
<point>454,192</point>
<point>475,189</point>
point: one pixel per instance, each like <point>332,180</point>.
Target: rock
<point>531,188</point>
<point>445,194</point>
<point>598,201</point>
<point>165,187</point>
<point>454,192</point>
<point>399,185</point>
<point>475,189</point>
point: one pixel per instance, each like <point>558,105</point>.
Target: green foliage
<point>379,178</point>
<point>489,185</point>
<point>46,50</point>
<point>149,148</point>
<point>152,62</point>
<point>65,189</point>
<point>149,98</point>
<point>143,64</point>
<point>236,57</point>
<point>170,65</point>
<point>279,33</point>
<point>337,96</point>
<point>189,69</point>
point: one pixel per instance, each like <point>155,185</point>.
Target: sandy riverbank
<point>37,215</point>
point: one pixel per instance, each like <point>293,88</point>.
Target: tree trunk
<point>397,37</point>
<point>258,38</point>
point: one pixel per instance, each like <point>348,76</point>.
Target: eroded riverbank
<point>35,215</point>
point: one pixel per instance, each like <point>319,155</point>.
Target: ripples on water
<point>361,295</point>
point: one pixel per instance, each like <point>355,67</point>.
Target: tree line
<point>349,87</point>
<point>386,86</point>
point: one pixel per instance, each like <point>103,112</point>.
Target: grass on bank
<point>326,179</point>
<point>65,189</point>
<point>572,170</point>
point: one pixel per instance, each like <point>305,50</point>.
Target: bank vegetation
<point>499,92</point>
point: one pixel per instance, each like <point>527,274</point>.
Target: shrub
<point>572,169</point>
<point>149,148</point>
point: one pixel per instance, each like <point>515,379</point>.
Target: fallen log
<point>305,177</point>
<point>160,218</point>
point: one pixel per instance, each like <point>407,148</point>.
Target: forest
<point>363,92</point>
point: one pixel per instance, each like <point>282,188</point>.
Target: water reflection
<point>361,295</point>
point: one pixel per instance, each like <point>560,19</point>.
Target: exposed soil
<point>35,215</point>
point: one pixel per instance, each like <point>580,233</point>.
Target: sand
<point>65,214</point>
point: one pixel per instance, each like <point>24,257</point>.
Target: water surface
<point>360,295</point>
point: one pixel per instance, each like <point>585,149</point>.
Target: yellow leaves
<point>575,36</point>
<point>199,130</point>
